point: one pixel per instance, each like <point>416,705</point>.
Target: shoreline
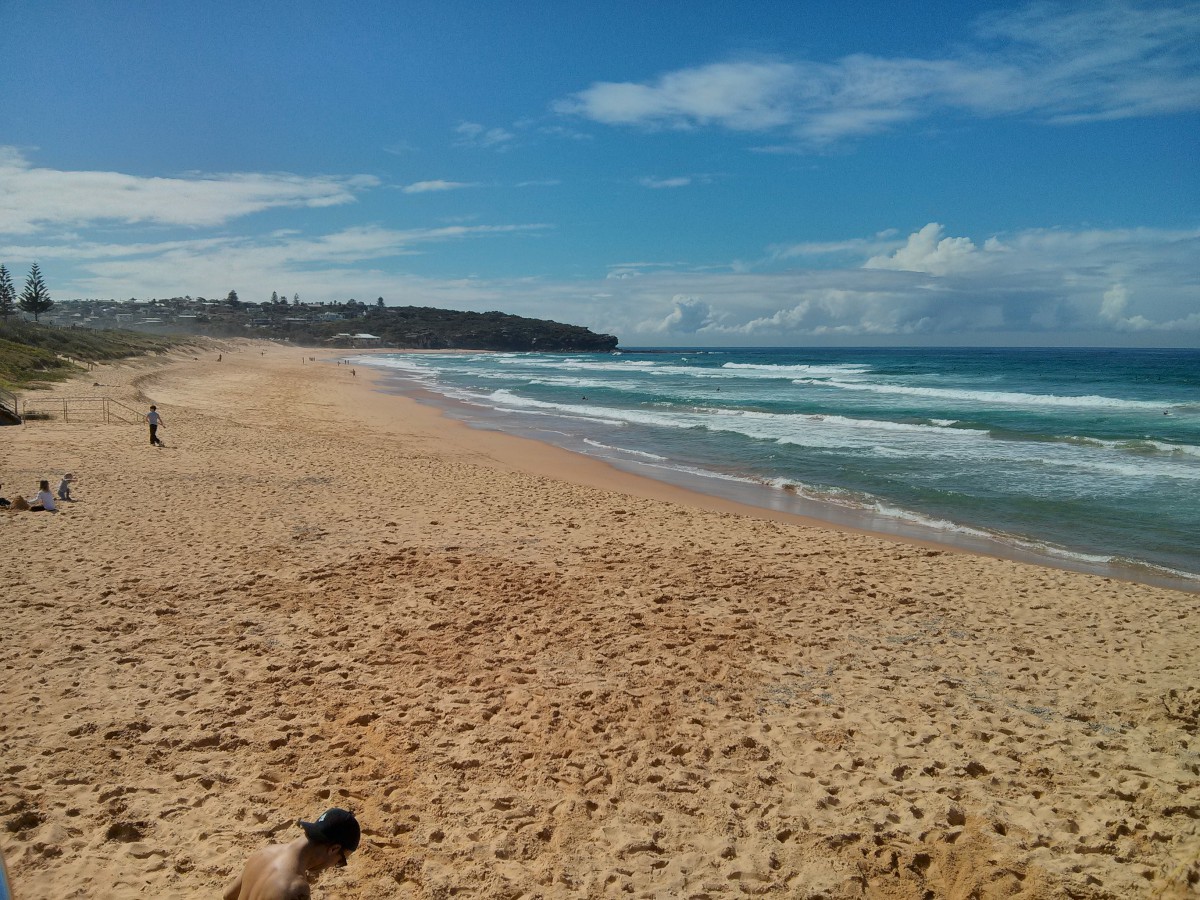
<point>529,674</point>
<point>749,498</point>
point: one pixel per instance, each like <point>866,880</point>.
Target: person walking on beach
<point>154,419</point>
<point>284,871</point>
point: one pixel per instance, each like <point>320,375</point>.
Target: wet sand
<point>532,675</point>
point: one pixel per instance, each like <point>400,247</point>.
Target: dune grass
<point>33,354</point>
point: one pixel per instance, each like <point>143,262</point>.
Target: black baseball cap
<point>334,826</point>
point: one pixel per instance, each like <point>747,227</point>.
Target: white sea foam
<point>569,363</point>
<point>936,439</point>
<point>582,383</point>
<point>876,507</point>
<point>1141,447</point>
<point>799,371</point>
<point>639,453</point>
<point>1007,398</point>
<point>403,363</point>
<point>877,438</point>
<point>1128,469</point>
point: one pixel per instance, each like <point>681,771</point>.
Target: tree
<point>8,294</point>
<point>379,303</point>
<point>232,300</point>
<point>35,298</point>
<point>274,298</point>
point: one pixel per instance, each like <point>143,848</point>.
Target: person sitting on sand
<point>283,871</point>
<point>44,501</point>
<point>64,487</point>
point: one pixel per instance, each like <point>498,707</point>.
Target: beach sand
<point>531,675</point>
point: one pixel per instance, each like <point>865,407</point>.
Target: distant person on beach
<point>64,488</point>
<point>154,419</point>
<point>284,871</point>
<point>44,500</point>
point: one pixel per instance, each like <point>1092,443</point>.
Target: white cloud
<point>1100,61</point>
<point>1103,61</point>
<point>1048,285</point>
<point>634,269</point>
<point>928,251</point>
<point>687,316</point>
<point>853,247</point>
<point>1115,300</point>
<point>472,134</point>
<point>1038,285</point>
<point>32,199</point>
<point>400,148</point>
<point>658,183</point>
<point>561,132</point>
<point>1112,309</point>
<point>742,96</point>
<point>426,187</point>
<point>321,266</point>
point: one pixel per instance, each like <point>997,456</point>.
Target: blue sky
<point>675,173</point>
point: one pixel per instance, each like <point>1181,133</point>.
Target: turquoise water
<point>1087,456</point>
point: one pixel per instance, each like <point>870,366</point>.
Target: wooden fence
<point>79,410</point>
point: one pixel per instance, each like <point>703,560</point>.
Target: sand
<point>531,675</point>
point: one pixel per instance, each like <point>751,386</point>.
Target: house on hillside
<point>356,340</point>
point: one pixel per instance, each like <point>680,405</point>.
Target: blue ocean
<point>1083,458</point>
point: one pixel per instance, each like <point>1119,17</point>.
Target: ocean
<point>1086,459</point>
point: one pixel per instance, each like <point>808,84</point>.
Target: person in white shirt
<point>154,420</point>
<point>44,501</point>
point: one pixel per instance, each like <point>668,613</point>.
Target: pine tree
<point>8,294</point>
<point>35,298</point>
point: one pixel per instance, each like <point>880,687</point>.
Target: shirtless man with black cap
<point>282,871</point>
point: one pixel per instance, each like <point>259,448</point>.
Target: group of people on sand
<point>43,500</point>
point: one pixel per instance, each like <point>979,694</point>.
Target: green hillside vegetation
<point>336,324</point>
<point>31,353</point>
<point>423,327</point>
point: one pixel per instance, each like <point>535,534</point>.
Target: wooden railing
<point>8,409</point>
<point>94,410</point>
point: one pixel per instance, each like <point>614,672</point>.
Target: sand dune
<point>533,676</point>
